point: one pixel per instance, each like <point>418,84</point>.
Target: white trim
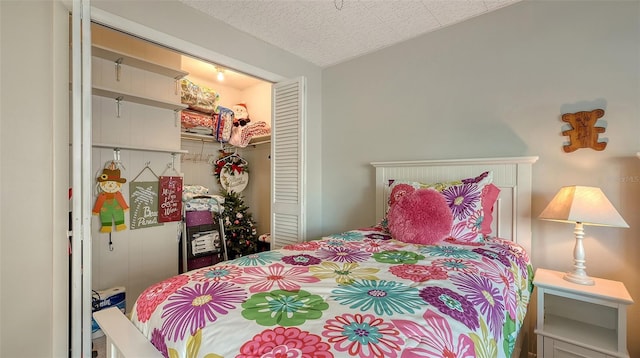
<point>450,162</point>
<point>87,180</point>
<point>76,180</point>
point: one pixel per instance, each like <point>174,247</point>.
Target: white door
<point>288,163</point>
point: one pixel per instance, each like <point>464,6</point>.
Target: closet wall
<point>145,126</point>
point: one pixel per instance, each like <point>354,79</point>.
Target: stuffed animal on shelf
<point>110,204</point>
<point>240,115</point>
<point>240,120</point>
<point>243,130</point>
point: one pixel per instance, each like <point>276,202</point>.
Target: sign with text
<point>232,181</point>
<point>143,196</point>
<point>170,199</point>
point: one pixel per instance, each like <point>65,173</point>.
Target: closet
<point>136,129</point>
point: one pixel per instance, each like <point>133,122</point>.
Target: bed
<point>360,293</point>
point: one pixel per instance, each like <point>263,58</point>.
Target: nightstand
<point>580,321</point>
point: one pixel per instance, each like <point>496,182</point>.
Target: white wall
<point>496,86</point>
<point>34,111</point>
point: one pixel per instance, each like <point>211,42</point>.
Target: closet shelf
<point>129,97</point>
<point>141,148</point>
<point>131,60</point>
<point>209,138</point>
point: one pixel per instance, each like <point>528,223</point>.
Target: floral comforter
<point>355,294</point>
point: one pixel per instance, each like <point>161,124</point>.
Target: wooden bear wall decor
<point>583,132</point>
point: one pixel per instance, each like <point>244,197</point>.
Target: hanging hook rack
<point>176,117</point>
<point>116,159</point>
<point>171,166</point>
<point>118,64</point>
<point>118,104</point>
<point>201,154</point>
<point>146,167</point>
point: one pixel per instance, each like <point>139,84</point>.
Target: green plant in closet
<point>239,228</point>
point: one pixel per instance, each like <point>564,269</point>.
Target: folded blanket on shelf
<point>197,198</point>
<point>241,135</point>
<point>190,191</point>
<point>205,204</point>
<point>197,122</point>
<point>200,98</point>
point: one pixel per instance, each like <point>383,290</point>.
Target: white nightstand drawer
<point>558,349</point>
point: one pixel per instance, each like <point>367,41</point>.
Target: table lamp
<point>581,205</point>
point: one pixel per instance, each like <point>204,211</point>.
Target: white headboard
<point>512,212</point>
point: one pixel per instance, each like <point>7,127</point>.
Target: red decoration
<point>237,168</point>
<point>233,161</point>
<point>170,199</point>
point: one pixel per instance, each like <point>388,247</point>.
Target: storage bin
<point>195,218</point>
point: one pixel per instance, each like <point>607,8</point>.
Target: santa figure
<point>242,130</point>
<point>240,115</point>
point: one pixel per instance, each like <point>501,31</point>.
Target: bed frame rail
<point>123,339</point>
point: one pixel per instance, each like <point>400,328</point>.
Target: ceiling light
<point>220,75</point>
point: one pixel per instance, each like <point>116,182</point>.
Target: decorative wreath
<point>232,161</point>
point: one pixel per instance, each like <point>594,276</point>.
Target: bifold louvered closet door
<point>287,163</point>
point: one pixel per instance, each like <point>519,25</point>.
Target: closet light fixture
<point>220,75</point>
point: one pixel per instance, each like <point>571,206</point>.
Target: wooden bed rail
<point>123,339</point>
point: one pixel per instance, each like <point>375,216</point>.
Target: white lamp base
<point>579,279</point>
<point>579,273</point>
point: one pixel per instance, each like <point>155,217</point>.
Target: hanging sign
<point>143,196</point>
<point>170,199</point>
<point>233,181</point>
<point>232,172</point>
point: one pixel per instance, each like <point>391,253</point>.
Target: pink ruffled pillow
<point>490,195</point>
<point>420,217</point>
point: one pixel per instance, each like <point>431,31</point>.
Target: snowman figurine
<point>240,120</point>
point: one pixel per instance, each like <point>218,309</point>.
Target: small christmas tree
<point>239,228</point>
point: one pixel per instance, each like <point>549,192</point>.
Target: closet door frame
<point>81,180</point>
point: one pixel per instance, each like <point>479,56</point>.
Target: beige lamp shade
<point>582,204</point>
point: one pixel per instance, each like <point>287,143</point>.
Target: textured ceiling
<point>327,32</point>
